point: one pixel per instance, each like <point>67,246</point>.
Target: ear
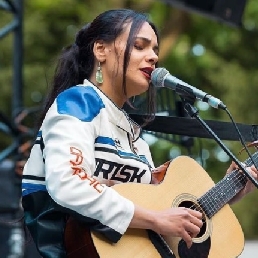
<point>99,50</point>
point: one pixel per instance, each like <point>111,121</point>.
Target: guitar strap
<point>160,244</point>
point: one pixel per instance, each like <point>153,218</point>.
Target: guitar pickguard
<point>197,250</point>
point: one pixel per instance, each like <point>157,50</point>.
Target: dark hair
<point>76,61</point>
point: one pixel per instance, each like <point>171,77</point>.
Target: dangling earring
<point>99,75</point>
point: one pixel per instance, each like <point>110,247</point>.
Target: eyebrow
<point>156,47</point>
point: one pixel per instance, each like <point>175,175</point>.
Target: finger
<point>254,171</point>
<point>192,229</point>
<point>232,167</point>
<point>196,221</point>
<point>187,238</point>
<point>195,213</point>
<point>243,166</point>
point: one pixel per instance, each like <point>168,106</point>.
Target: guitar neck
<point>219,195</point>
<point>212,201</point>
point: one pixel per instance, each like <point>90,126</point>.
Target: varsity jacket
<point>85,144</point>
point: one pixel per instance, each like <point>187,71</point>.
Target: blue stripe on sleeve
<point>28,188</point>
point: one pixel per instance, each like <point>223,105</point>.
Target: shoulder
<point>81,102</point>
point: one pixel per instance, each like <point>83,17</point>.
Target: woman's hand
<point>177,222</point>
<point>249,187</point>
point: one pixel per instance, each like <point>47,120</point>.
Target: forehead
<point>145,31</point>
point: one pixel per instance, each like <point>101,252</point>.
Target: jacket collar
<point>117,116</point>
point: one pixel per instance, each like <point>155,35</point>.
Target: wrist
<point>144,219</point>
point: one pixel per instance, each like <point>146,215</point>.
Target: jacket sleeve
<point>69,168</point>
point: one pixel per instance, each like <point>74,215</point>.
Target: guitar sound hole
<point>197,250</point>
<point>194,206</point>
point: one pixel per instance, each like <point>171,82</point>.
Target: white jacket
<point>86,143</point>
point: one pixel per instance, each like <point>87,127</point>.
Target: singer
<point>86,143</point>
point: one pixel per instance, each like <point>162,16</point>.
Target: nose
<point>152,57</point>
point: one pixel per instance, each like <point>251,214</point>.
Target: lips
<point>147,71</point>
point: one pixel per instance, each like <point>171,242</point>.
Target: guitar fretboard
<point>212,201</point>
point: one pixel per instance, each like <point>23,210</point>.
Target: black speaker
<point>230,11</point>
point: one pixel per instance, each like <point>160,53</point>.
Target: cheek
<point>133,67</point>
<point>135,60</point>
<point>114,67</point>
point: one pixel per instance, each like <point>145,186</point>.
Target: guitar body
<point>184,182</point>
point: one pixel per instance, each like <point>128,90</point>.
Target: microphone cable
<point>241,138</point>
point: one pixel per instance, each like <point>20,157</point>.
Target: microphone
<point>160,77</point>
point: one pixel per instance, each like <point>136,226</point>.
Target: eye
<point>138,47</point>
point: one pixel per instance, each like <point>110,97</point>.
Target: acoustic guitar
<point>185,184</point>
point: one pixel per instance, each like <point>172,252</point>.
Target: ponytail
<point>66,75</point>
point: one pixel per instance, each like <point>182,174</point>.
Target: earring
<point>99,75</point>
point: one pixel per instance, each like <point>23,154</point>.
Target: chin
<point>138,88</point>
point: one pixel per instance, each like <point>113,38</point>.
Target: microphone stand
<point>193,112</point>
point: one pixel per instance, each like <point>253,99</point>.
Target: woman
<point>86,142</point>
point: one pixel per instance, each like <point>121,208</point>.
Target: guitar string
<point>198,208</point>
<point>227,189</point>
<point>237,175</point>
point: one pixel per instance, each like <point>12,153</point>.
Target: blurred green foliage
<point>218,58</point>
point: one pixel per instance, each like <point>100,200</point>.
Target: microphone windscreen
<point>158,76</point>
